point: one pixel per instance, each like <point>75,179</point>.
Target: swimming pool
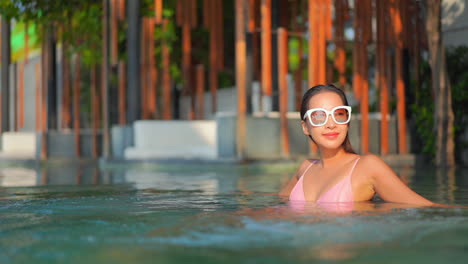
<point>224,214</point>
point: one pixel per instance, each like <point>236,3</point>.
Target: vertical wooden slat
<point>382,78</point>
<point>214,53</point>
<point>200,77</point>
<point>192,11</point>
<point>76,105</point>
<point>186,62</point>
<point>213,70</point>
<point>312,55</point>
<point>166,81</point>
<point>66,115</point>
<point>364,105</point>
<point>322,49</point>
<point>299,71</point>
<point>114,31</point>
<point>144,69</point>
<point>105,83</point>
<point>220,33</point>
<point>14,95</point>
<point>364,14</point>
<point>256,41</point>
<point>311,63</point>
<point>266,47</point>
<point>356,50</point>
<point>153,73</point>
<point>44,67</point>
<point>121,4</point>
<point>179,12</point>
<point>37,70</point>
<point>327,19</point>
<point>416,45</point>
<point>206,13</point>
<point>283,89</point>
<point>340,55</point>
<point>251,26</point>
<point>400,85</point>
<point>158,9</point>
<point>94,111</point>
<point>21,95</point>
<point>122,98</point>
<point>240,78</point>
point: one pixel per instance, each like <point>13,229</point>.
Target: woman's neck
<point>330,157</point>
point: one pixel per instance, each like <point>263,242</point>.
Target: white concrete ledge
<point>19,143</point>
<point>174,139</point>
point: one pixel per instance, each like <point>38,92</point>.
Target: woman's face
<point>330,135</point>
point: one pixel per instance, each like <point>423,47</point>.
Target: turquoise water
<point>220,215</point>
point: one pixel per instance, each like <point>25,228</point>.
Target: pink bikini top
<point>342,192</point>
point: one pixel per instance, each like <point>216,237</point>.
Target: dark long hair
<point>320,89</point>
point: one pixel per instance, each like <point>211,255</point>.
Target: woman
<point>341,175</point>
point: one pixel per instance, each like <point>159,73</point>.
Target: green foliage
<point>423,112</point>
<point>78,21</point>
<point>457,64</point>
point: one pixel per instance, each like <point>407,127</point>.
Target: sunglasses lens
<point>318,117</point>
<point>341,115</point>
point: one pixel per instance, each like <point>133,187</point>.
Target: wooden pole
<point>21,95</point>
<point>401,109</point>
<point>322,42</point>
<point>356,51</point>
<point>214,52</point>
<point>105,83</point>
<point>187,57</point>
<point>382,78</point>
<point>158,9</point>
<point>166,78</point>
<point>153,72</point>
<point>220,34</point>
<point>311,48</point>
<point>37,69</point>
<point>283,89</point>
<point>240,78</point>
<point>121,6</point>
<point>340,55</point>
<point>94,111</point>
<point>200,76</point>
<point>44,67</point>
<point>114,14</point>
<point>144,69</point>
<point>298,72</point>
<point>266,47</point>
<point>76,105</point>
<point>122,91</point>
<point>312,56</point>
<point>364,15</point>
<point>66,115</point>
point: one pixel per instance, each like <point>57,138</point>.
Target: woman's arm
<point>388,185</point>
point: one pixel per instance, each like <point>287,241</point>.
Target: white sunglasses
<point>319,116</point>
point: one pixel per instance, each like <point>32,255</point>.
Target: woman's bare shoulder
<point>304,165</point>
<point>371,161</point>
<point>373,166</point>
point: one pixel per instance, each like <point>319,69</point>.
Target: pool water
<point>224,214</point>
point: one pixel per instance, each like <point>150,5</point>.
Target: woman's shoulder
<point>304,166</point>
<point>371,162</point>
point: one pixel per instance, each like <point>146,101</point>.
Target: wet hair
<point>320,89</point>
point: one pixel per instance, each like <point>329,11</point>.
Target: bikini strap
<point>312,163</point>
<point>355,163</point>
